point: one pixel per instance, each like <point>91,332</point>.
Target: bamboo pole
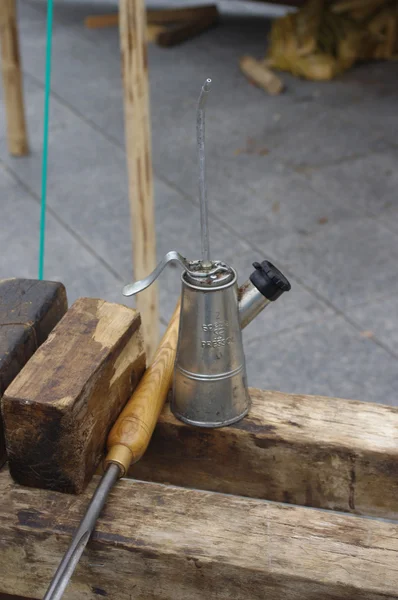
<point>12,79</point>
<point>133,45</point>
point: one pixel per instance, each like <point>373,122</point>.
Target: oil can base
<point>211,425</point>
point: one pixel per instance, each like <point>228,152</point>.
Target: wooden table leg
<point>12,79</point>
<point>139,159</point>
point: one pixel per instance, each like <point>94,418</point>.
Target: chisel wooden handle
<point>130,435</point>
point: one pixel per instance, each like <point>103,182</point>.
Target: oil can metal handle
<point>173,256</point>
<point>138,286</point>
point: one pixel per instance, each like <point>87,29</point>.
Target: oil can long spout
<point>200,134</point>
<point>265,285</point>
<point>251,303</point>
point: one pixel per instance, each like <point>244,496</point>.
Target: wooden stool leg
<point>139,160</point>
<point>12,79</point>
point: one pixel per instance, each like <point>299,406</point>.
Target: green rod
<point>45,138</point>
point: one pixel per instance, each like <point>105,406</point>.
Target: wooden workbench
<point>132,25</point>
<point>172,543</point>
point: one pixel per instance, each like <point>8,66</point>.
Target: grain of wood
<point>29,310</point>
<point>167,543</point>
<point>58,410</point>
<point>139,160</point>
<point>12,79</point>
<point>308,450</point>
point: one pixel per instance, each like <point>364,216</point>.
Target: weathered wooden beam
<point>59,409</point>
<point>29,310</point>
<point>307,450</point>
<point>12,79</point>
<point>133,45</point>
<point>167,543</point>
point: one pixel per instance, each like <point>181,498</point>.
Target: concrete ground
<point>307,180</point>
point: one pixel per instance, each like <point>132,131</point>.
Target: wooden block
<point>183,15</point>
<point>153,30</point>
<point>168,543</point>
<point>29,310</point>
<point>173,15</point>
<point>58,410</point>
<point>100,21</point>
<point>261,75</point>
<point>180,32</point>
<point>308,450</point>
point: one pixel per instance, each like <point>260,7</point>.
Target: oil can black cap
<point>269,280</point>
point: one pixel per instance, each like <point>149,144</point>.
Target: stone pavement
<point>307,179</point>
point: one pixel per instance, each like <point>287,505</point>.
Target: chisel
<point>127,442</point>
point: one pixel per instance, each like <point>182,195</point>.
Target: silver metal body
<point>210,384</point>
<point>82,535</point>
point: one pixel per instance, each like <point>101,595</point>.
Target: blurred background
<point>306,179</point>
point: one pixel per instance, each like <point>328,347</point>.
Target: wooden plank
<point>59,409</point>
<point>183,15</point>
<point>12,79</point>
<point>153,30</point>
<point>308,450</point>
<point>176,34</point>
<point>168,543</point>
<point>139,160</point>
<point>29,310</point>
<point>99,21</point>
<point>257,72</point>
<point>155,17</point>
